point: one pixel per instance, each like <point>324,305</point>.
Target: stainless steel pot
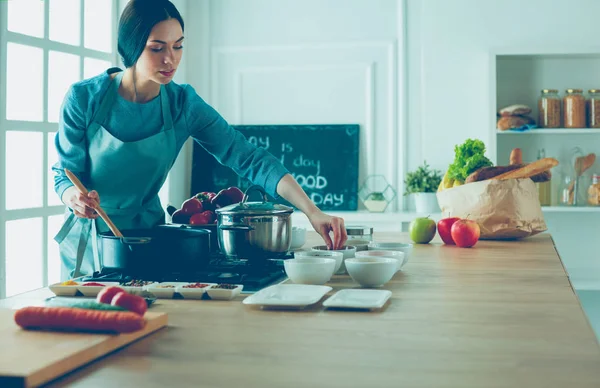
<point>254,230</point>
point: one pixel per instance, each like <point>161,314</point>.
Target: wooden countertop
<point>502,314</point>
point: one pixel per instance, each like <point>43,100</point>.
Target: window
<point>45,46</point>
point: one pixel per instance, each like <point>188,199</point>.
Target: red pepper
<point>227,197</point>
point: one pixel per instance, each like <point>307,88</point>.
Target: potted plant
<point>422,184</point>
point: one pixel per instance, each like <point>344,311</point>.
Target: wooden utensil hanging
<point>98,209</point>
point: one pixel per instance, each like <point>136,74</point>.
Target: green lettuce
<point>469,157</point>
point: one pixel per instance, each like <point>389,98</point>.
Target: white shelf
<point>553,131</point>
<point>571,209</point>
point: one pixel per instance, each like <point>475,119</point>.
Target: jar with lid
<point>593,108</point>
<point>574,107</point>
<point>594,191</point>
<point>549,109</point>
<point>359,232</point>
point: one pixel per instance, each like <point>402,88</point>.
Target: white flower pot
<point>426,203</point>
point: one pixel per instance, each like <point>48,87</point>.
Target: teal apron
<point>127,177</point>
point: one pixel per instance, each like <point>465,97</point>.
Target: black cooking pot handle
<point>236,228</point>
<point>257,188</point>
<point>133,241</point>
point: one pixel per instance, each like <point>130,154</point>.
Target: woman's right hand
<point>83,206</point>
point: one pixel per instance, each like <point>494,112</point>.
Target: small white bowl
<point>224,293</point>
<point>165,290</point>
<point>361,245</point>
<point>90,291</point>
<point>298,237</point>
<point>372,271</point>
<point>336,255</point>
<point>192,293</point>
<point>348,252</point>
<point>392,246</point>
<point>62,290</point>
<point>310,270</point>
<point>398,255</point>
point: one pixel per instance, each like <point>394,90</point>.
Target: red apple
<point>445,229</point>
<point>191,206</point>
<point>465,233</point>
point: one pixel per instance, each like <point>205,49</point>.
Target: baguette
<point>486,173</point>
<point>530,170</point>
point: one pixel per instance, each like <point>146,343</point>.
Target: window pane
<point>53,199</point>
<point>24,169</point>
<point>26,17</point>
<point>163,194</point>
<point>23,255</point>
<point>92,67</point>
<point>98,25</point>
<point>54,224</point>
<point>24,86</point>
<point>63,71</point>
<point>65,21</point>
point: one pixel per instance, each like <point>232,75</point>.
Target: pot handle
<point>135,240</point>
<point>257,188</point>
<point>236,228</point>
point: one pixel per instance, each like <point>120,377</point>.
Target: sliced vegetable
<point>83,304</point>
<point>131,302</point>
<point>106,294</point>
<point>75,319</point>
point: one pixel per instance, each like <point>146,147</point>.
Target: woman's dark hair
<point>137,20</point>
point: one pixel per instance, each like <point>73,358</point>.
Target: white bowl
<point>392,246</point>
<point>348,252</point>
<point>372,271</point>
<point>309,270</point>
<point>298,237</point>
<point>398,255</point>
<point>165,290</point>
<point>193,293</point>
<point>59,289</point>
<point>91,291</point>
<point>337,256</point>
<point>216,293</point>
<point>361,245</point>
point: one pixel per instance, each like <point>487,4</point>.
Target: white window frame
<point>40,127</point>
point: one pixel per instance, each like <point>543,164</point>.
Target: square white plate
<point>290,295</point>
<point>358,299</point>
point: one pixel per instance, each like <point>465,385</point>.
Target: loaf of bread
<point>515,110</point>
<point>509,122</point>
<point>486,173</point>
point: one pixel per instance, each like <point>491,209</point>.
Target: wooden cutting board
<point>36,357</point>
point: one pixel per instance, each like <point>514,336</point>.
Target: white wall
<point>304,62</point>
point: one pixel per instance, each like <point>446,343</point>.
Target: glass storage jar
<point>574,107</point>
<point>549,109</point>
<point>594,191</point>
<point>593,108</point>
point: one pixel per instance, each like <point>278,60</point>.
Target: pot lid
<point>255,208</point>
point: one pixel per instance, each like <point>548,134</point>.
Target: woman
<point>120,133</point>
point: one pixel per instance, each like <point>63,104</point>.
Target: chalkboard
<point>322,158</point>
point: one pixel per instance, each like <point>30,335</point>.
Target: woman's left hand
<point>324,224</point>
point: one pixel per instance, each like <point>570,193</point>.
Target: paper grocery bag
<point>504,209</point>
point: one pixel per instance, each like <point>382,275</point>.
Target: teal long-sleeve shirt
<point>130,121</point>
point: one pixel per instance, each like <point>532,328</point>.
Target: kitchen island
<point>502,314</point>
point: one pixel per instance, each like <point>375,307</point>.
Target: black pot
<point>153,253</point>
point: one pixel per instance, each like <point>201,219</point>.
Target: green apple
<point>422,230</point>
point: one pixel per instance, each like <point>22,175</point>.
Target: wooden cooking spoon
<point>100,211</point>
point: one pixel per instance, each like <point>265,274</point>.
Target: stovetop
<point>253,274</point>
